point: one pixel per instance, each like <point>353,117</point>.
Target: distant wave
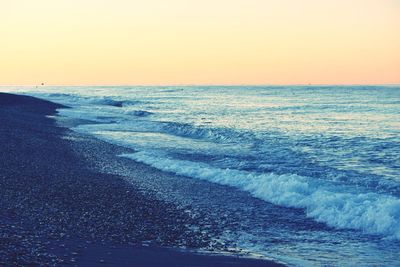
<point>107,101</point>
<point>173,90</point>
<point>139,113</point>
<point>217,134</point>
<point>85,100</point>
<point>59,95</point>
<point>369,212</point>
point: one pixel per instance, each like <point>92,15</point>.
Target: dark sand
<point>57,210</point>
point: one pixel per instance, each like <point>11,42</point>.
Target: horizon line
<point>194,84</point>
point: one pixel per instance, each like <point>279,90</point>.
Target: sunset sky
<point>121,42</point>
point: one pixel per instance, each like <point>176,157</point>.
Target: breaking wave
<point>333,205</point>
<point>209,133</point>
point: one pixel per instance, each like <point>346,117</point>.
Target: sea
<point>321,162</point>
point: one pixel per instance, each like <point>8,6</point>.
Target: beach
<point>200,133</point>
<point>304,175</point>
<point>61,203</point>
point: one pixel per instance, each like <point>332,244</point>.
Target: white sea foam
<point>369,212</point>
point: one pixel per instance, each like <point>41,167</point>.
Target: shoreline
<point>59,210</point>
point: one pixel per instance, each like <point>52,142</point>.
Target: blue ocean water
<point>330,152</point>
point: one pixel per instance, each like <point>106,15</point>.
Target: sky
<point>160,42</point>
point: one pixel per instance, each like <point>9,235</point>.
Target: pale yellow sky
<point>105,42</point>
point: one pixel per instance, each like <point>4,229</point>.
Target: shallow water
<point>330,152</point>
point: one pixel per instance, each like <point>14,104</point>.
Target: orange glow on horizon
<point>102,42</point>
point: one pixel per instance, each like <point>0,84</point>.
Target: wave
<point>107,101</point>
<point>371,213</point>
<point>139,113</point>
<point>89,100</point>
<point>173,90</point>
<point>209,133</point>
<point>59,95</point>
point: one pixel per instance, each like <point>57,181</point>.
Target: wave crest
<point>369,212</point>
